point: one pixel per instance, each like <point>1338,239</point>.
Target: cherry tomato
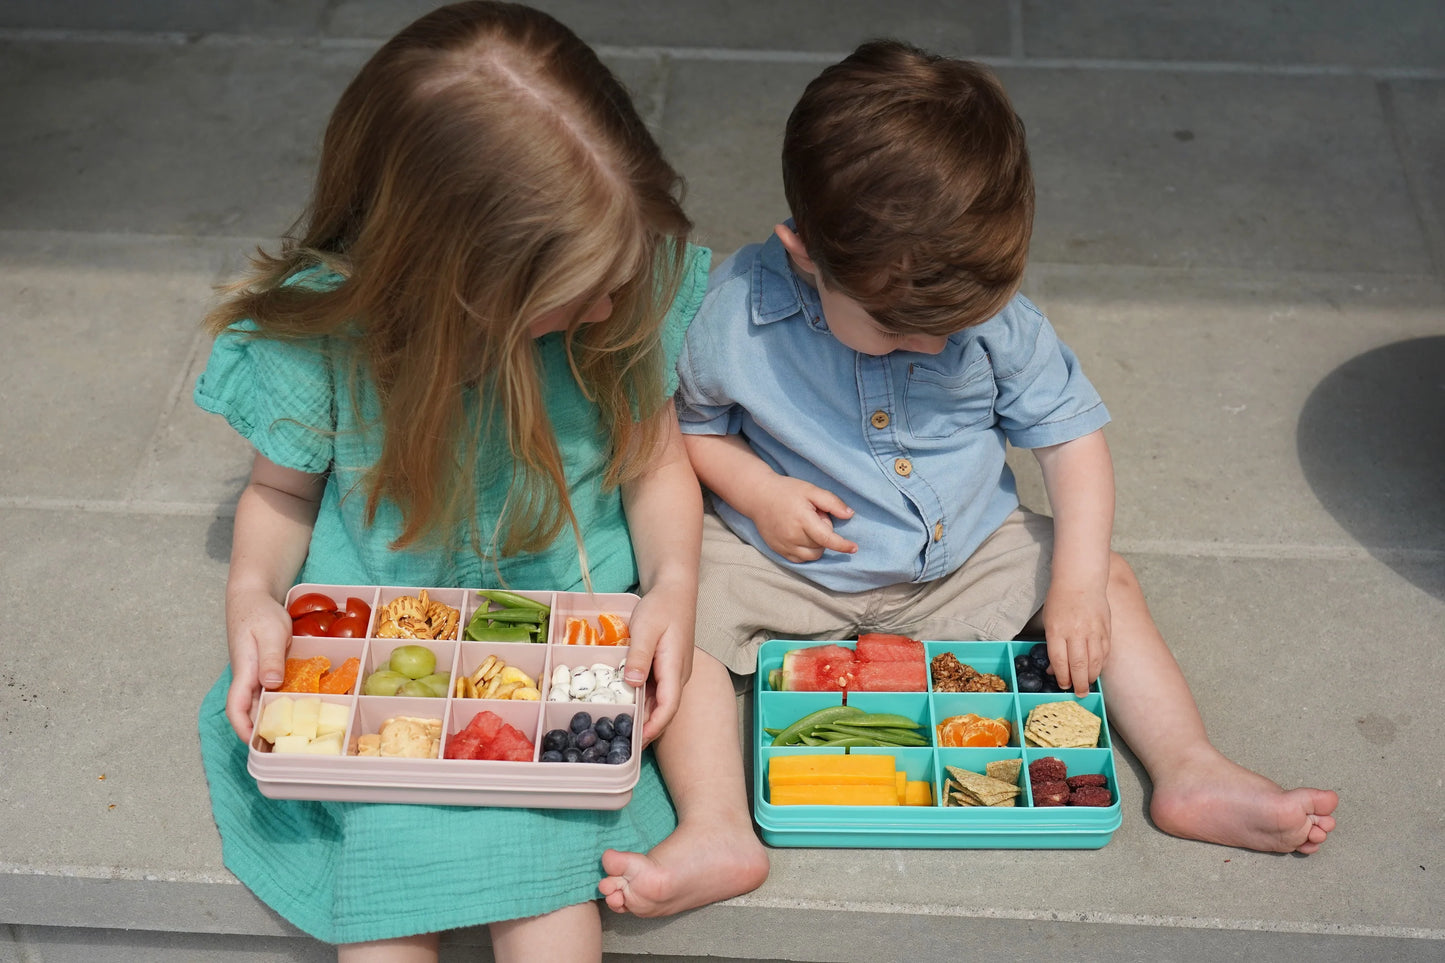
<point>313,623</point>
<point>356,606</point>
<point>348,626</point>
<point>310,602</point>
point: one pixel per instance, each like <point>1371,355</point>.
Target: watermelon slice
<point>889,677</point>
<point>881,647</point>
<point>474,741</point>
<point>822,668</point>
<point>509,745</point>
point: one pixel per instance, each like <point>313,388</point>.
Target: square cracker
<point>1063,725</point>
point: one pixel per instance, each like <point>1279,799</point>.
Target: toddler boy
<point>846,394</point>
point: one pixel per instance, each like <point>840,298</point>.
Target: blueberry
<point>1040,655</point>
<point>589,754</point>
<point>551,755</point>
<point>623,725</point>
<point>620,747</point>
<point>605,729</point>
<point>586,739</point>
<point>572,754</point>
<point>580,721</point>
<point>556,739</point>
<point>618,756</point>
<point>1030,680</point>
<point>1052,685</point>
<point>1022,663</point>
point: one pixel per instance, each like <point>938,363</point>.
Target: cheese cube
<point>332,719</point>
<point>304,717</point>
<point>276,719</point>
<point>291,745</point>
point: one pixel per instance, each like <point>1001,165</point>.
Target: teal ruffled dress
<point>353,872</point>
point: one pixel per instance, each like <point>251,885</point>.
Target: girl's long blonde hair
<point>483,168</point>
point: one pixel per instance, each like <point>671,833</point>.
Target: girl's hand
<point>1076,625</point>
<point>661,650</point>
<point>795,519</point>
<point>258,630</point>
<point>274,517</point>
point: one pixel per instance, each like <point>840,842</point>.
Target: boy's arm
<point>274,518</point>
<point>664,517</point>
<point>792,515</point>
<point>1079,478</point>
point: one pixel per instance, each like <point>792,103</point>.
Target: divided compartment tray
<point>1022,826</point>
<point>456,782</point>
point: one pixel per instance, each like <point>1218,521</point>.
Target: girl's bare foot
<point>1219,801</point>
<point>698,864</point>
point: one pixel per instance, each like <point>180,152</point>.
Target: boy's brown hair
<point>482,169</point>
<point>908,180</point>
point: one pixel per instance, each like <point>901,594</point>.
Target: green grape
<point>413,661</point>
<point>440,683</point>
<point>383,682</point>
<point>416,688</point>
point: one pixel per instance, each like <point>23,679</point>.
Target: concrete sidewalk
<point>1241,232</point>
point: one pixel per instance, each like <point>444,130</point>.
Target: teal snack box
<point>1025,825</point>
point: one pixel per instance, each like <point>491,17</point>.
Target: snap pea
<point>849,742</point>
<point>791,736</point>
<point>882,736</point>
<point>498,633</point>
<point>889,720</point>
<point>513,614</point>
<point>512,600</point>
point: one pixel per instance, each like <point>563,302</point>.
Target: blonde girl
<point>457,371</point>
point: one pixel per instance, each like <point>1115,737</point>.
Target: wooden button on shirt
<point>880,419</point>
<point>938,532</point>
<point>903,466</point>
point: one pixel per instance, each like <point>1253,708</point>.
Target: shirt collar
<point>778,292</point>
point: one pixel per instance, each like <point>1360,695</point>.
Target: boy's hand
<point>795,519</point>
<point>1076,625</point>
<point>258,631</point>
<point>661,649</point>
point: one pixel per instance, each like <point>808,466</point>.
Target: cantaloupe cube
<point>290,745</point>
<point>901,784</point>
<point>332,719</point>
<point>276,719</point>
<point>327,745</point>
<point>304,716</point>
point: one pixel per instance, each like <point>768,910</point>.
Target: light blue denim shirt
<point>913,443</point>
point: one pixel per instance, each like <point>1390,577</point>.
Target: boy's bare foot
<point>1219,801</point>
<point>698,864</point>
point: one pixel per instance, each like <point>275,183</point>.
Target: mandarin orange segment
<point>986,733</point>
<point>304,675</point>
<point>339,681</point>
<point>580,632</point>
<point>614,629</point>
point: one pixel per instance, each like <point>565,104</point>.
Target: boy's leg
<point>1198,793</point>
<point>714,853</point>
<point>572,934</point>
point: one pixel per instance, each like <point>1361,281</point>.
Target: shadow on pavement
<point>1371,441</point>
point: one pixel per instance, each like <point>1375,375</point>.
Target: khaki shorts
<point>744,599</point>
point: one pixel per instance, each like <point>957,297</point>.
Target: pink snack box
<point>456,782</point>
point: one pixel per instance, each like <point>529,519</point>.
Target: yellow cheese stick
<point>859,770</point>
<point>833,795</point>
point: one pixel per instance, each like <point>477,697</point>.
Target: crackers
<point>1062,725</point>
<point>967,788</point>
